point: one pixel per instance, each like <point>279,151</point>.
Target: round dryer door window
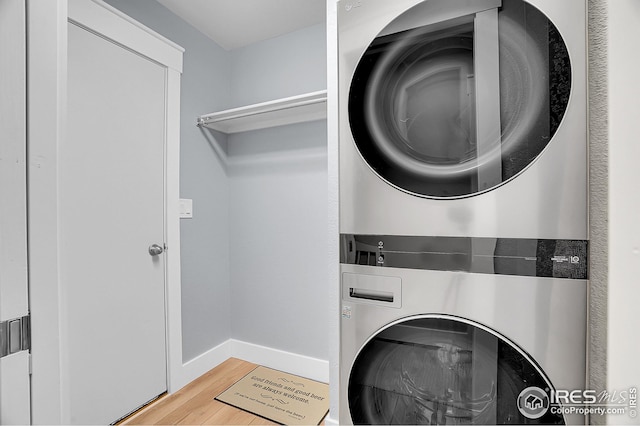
<point>440,370</point>
<point>454,98</point>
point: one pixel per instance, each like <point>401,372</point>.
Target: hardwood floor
<point>195,405</point>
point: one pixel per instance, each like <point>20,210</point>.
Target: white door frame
<point>47,116</point>
<point>15,407</point>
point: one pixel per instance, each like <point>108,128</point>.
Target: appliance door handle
<point>380,296</point>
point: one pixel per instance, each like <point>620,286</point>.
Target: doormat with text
<point>279,397</point>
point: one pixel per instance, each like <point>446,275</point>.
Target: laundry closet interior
<point>293,236</point>
<point>254,262</point>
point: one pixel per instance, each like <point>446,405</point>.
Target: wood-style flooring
<point>195,404</point>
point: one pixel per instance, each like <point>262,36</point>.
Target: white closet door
<point>15,403</point>
<point>112,211</point>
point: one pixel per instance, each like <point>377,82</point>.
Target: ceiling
<point>236,23</point>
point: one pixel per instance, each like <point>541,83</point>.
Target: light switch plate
<point>186,208</point>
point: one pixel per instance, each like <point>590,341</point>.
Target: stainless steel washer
<point>482,325</point>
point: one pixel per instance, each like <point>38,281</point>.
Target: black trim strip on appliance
<point>501,256</point>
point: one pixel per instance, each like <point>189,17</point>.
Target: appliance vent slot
<point>366,258</point>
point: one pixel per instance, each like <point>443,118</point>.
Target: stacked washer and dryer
<point>463,210</point>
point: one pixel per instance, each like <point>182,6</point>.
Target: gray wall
<point>623,291</point>
<point>278,202</point>
<point>278,185</point>
<point>283,66</point>
<point>206,317</point>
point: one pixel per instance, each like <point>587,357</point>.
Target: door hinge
<point>15,335</point>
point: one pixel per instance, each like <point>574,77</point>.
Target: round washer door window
<point>444,370</point>
<point>451,100</point>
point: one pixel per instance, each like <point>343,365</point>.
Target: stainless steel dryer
<point>461,330</point>
<point>463,118</point>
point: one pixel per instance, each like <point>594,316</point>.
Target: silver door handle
<point>155,250</point>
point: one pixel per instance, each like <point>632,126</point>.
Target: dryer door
<point>447,370</point>
<point>454,98</point>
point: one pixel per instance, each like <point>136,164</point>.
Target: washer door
<point>446,370</point>
<point>454,98</point>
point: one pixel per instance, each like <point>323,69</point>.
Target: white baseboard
<point>304,366</point>
<point>301,365</point>
<point>196,367</point>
